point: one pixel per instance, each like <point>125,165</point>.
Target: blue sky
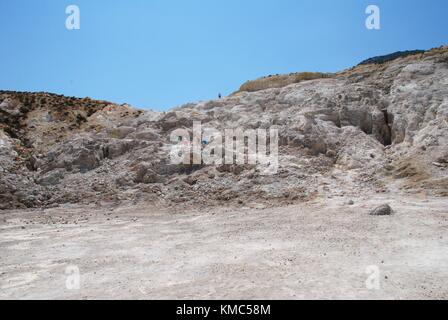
<point>162,53</point>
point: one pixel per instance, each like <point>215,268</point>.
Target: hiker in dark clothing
<point>219,95</point>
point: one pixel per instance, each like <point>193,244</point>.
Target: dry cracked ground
<point>87,185</point>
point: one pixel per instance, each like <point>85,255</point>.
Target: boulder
<point>52,178</point>
<point>144,173</point>
<point>383,210</point>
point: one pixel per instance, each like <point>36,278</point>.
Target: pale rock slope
<point>375,128</point>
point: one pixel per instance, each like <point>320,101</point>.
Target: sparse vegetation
<point>113,134</point>
<point>391,57</point>
<point>279,81</point>
<point>80,119</point>
<point>25,108</point>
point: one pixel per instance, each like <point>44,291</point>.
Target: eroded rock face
<point>75,155</point>
<point>7,152</point>
<point>357,131</point>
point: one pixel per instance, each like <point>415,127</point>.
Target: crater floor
<point>321,249</point>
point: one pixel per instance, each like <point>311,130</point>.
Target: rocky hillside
<point>391,57</point>
<point>378,127</point>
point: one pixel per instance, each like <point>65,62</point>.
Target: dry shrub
<point>279,81</point>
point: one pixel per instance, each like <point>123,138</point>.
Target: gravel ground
<point>325,249</point>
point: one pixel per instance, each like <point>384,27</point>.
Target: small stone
<point>350,202</point>
<point>383,210</point>
<point>438,164</point>
<point>331,153</point>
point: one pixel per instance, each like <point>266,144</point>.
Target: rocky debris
<point>440,165</point>
<point>352,132</point>
<point>144,173</point>
<point>383,210</point>
<point>52,178</point>
<point>7,152</point>
<point>74,155</point>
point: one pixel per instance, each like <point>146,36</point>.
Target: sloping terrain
<point>89,184</point>
<point>375,128</point>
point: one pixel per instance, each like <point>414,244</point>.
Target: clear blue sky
<point>162,53</point>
